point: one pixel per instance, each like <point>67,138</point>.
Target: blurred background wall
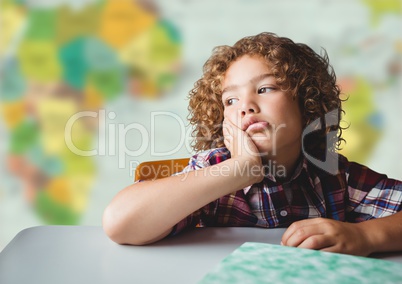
<point>130,64</point>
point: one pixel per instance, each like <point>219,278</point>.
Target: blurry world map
<point>62,58</point>
<point>58,58</point>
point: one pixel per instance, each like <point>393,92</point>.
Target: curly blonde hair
<point>298,70</point>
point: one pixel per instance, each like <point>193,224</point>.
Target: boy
<point>258,111</point>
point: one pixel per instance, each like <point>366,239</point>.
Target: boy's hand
<point>242,147</point>
<point>238,141</point>
<point>328,235</point>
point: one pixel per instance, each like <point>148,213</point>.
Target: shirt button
<point>284,213</point>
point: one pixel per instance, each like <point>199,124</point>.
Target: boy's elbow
<point>115,228</point>
<point>119,231</point>
<point>111,226</point>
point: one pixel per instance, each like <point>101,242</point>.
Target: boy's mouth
<point>257,126</point>
<point>254,124</point>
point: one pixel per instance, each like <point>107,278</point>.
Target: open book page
<point>266,263</point>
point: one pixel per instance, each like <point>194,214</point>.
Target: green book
<point>266,263</point>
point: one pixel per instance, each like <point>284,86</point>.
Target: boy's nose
<point>249,107</point>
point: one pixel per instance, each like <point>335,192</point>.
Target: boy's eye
<point>265,90</point>
<point>231,101</point>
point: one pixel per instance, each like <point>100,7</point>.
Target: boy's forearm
<point>383,234</point>
<point>147,211</point>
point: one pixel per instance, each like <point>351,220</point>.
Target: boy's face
<point>254,103</point>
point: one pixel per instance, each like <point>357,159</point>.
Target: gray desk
<point>84,254</point>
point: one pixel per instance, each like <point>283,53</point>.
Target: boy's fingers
<point>299,236</point>
<point>317,242</point>
<point>227,128</point>
<point>299,225</point>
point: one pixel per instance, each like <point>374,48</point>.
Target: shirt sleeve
<point>371,195</point>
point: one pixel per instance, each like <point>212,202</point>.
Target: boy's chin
<point>264,152</point>
<point>263,144</point>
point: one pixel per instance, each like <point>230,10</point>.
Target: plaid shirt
<point>355,194</point>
